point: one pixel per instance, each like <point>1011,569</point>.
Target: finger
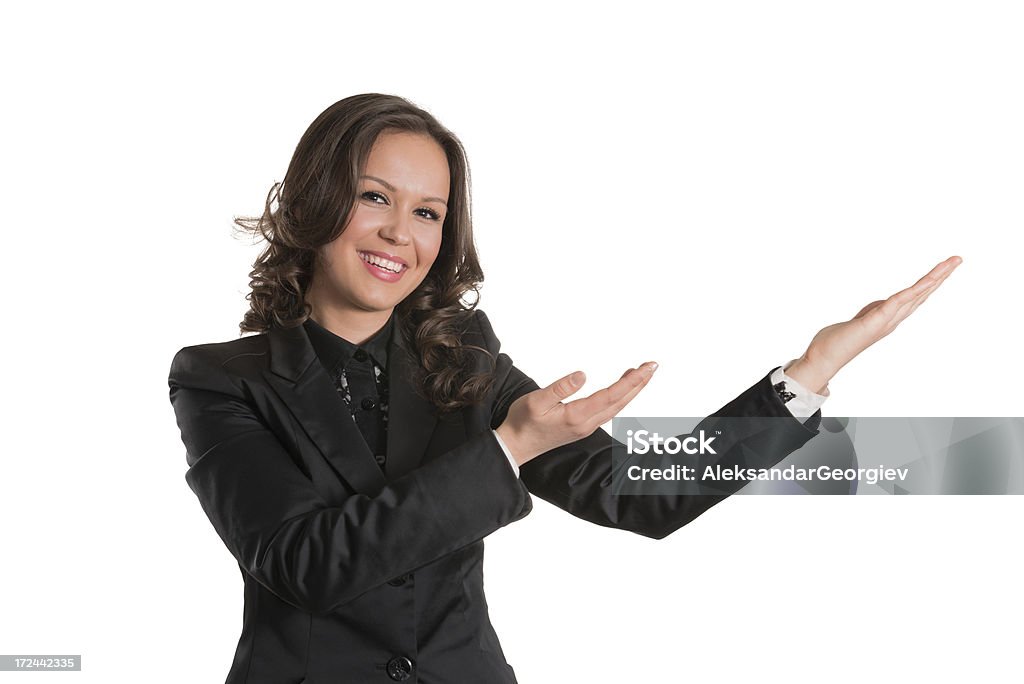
<point>953,262</point>
<point>939,273</point>
<point>912,305</point>
<point>924,293</point>
<point>612,398</point>
<point>946,267</point>
<point>917,288</point>
<point>598,401</point>
<point>909,306</point>
<point>896,305</point>
<point>561,389</point>
<point>604,416</point>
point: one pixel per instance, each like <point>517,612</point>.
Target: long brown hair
<point>314,202</point>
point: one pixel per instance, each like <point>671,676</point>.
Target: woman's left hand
<point>836,345</point>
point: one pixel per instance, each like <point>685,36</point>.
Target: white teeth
<point>386,264</point>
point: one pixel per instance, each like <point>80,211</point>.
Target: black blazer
<point>351,575</point>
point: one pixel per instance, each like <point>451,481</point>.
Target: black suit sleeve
<point>577,477</point>
<point>313,555</point>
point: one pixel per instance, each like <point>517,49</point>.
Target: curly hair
<point>314,201</point>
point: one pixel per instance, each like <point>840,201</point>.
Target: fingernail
<point>651,366</point>
<point>576,378</point>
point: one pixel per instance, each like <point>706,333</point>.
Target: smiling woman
<point>375,182</point>
<point>355,452</point>
<point>393,233</point>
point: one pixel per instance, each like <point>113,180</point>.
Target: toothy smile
<point>381,262</point>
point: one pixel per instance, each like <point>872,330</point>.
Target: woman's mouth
<point>385,269</point>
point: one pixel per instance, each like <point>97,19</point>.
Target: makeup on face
<point>387,267</point>
<point>394,232</point>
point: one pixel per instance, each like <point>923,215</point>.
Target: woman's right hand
<point>538,422</point>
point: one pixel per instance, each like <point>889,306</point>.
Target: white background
<point>705,186</point>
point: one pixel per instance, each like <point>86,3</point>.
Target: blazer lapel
<point>309,393</point>
<point>305,387</point>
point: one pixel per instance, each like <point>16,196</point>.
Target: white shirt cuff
<point>806,402</point>
<point>508,454</point>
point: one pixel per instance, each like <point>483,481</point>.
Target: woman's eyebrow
<point>391,187</point>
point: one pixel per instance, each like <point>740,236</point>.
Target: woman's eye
<point>373,196</point>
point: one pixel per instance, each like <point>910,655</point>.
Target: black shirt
<point>360,376</point>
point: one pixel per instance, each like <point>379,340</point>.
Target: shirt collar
<point>335,351</point>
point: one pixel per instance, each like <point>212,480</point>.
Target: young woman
<point>355,452</point>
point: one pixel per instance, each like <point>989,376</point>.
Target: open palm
<point>836,345</point>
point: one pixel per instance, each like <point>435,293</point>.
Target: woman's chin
<point>378,302</point>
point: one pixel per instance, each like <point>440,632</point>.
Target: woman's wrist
<point>814,376</point>
<point>508,437</point>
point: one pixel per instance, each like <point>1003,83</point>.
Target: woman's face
<point>394,233</point>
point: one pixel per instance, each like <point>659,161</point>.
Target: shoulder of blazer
<point>488,338</point>
<point>218,366</point>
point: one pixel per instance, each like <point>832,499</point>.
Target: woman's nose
<point>396,230</point>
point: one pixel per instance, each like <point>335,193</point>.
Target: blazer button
<point>399,668</point>
<point>360,355</point>
<point>380,458</point>
<point>368,403</point>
